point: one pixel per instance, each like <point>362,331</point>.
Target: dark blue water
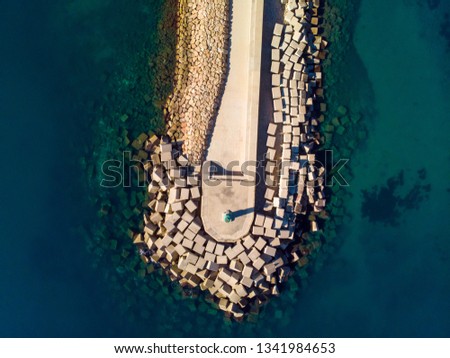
<point>47,285</point>
<point>387,278</point>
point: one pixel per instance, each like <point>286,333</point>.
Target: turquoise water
<point>401,272</point>
<point>70,70</point>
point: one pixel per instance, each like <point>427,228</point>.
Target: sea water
<point>56,60</point>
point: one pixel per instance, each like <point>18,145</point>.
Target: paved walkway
<point>235,134</point>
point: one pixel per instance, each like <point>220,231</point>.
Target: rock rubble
<point>201,67</point>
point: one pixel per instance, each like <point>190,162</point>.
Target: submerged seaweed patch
<point>444,30</point>
<point>386,205</point>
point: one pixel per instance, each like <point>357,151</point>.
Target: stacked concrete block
<point>299,53</point>
<point>238,275</point>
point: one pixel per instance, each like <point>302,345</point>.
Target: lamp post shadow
<point>242,212</point>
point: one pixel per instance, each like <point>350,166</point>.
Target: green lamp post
<point>227,216</point>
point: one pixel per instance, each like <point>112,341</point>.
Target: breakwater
<point>241,276</point>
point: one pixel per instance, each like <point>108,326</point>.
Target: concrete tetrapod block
<point>276,40</point>
<point>276,92</point>
<point>278,29</point>
<point>272,129</point>
<point>278,105</point>
<point>248,242</point>
<point>276,80</point>
<point>271,141</point>
<point>276,54</point>
<point>278,116</point>
<point>275,67</point>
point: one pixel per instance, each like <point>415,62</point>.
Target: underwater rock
<point>342,110</point>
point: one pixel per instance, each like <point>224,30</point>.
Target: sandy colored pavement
<point>235,133</point>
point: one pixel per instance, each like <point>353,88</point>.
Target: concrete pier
<point>202,225</point>
<point>234,137</point>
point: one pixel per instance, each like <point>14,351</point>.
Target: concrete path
<point>235,134</point>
